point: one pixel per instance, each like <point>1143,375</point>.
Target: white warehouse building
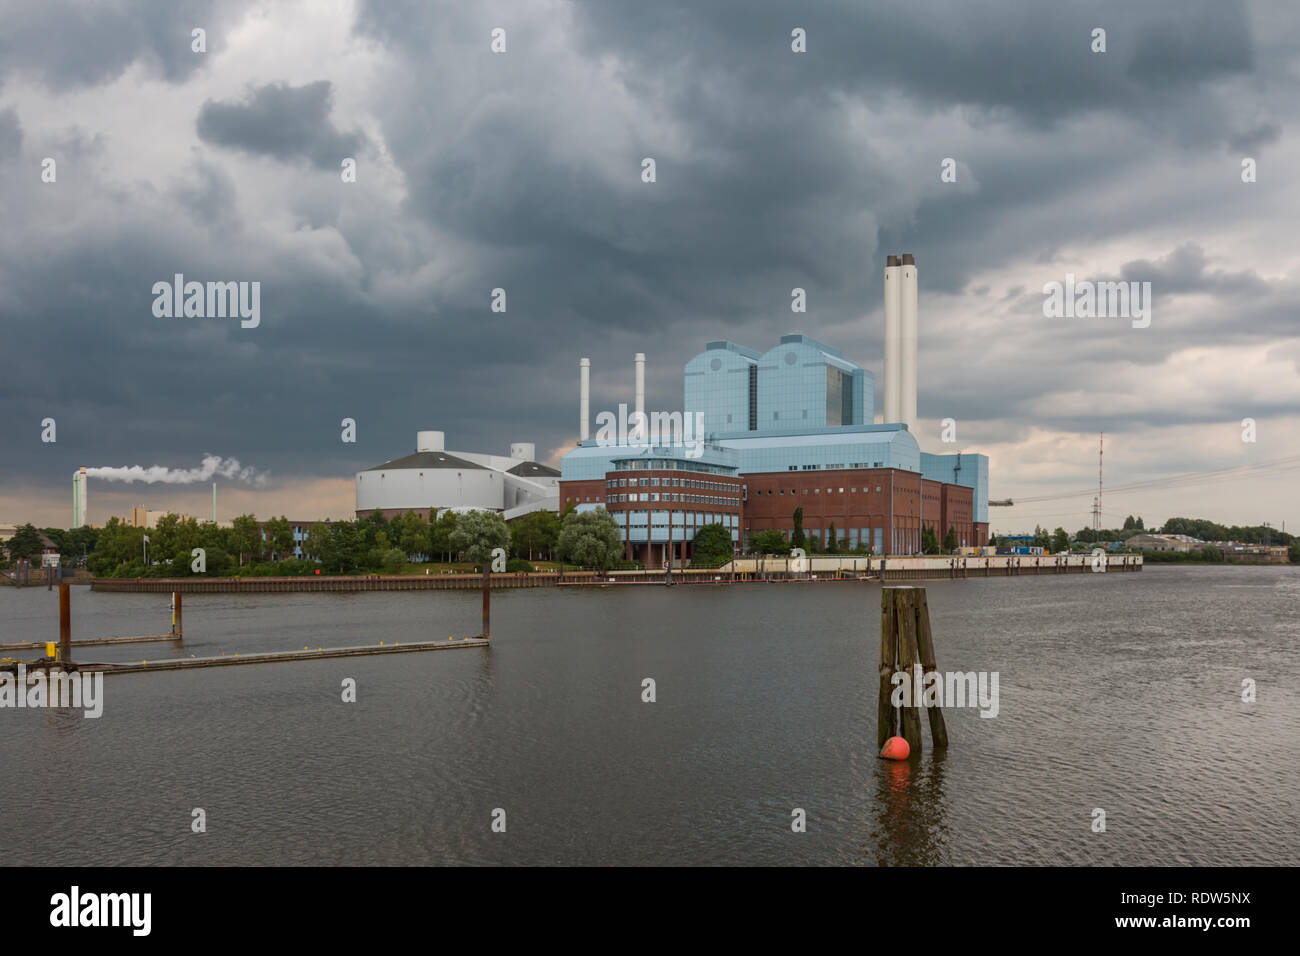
<point>434,479</point>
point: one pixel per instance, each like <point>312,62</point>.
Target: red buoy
<point>896,748</point>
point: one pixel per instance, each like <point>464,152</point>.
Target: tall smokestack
<point>584,398</point>
<point>214,502</point>
<point>907,345</point>
<point>640,386</point>
<point>79,497</point>
<point>893,313</point>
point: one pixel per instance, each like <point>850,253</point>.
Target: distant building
<point>1253,553</point>
<point>433,480</point>
<point>148,517</point>
<point>1163,542</point>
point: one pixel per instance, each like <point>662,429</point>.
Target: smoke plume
<point>214,466</point>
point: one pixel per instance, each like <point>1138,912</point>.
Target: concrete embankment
<point>818,568</point>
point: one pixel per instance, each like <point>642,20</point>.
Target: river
<point>1118,692</point>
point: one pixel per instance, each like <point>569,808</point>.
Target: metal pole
<point>65,624</point>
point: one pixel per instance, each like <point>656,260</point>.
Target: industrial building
<point>791,427</point>
<point>434,479</point>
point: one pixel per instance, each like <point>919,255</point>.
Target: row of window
<point>837,466</point>
<point>816,491</point>
<point>682,499</point>
<point>669,464</point>
<point>672,483</point>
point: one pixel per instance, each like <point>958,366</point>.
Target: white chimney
<point>429,441</point>
<point>907,345</point>
<point>893,319</point>
<point>640,386</point>
<point>584,398</point>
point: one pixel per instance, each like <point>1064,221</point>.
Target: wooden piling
<point>925,644</point>
<point>908,656</point>
<point>888,634</point>
<point>907,647</point>
<point>487,597</point>
<point>178,630</point>
<point>65,623</point>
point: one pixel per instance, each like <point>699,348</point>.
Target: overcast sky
<point>523,170</point>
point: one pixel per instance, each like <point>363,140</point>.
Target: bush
<point>519,565</point>
<point>392,560</point>
<point>296,567</point>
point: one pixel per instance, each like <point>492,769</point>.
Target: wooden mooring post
<point>906,643</point>
<point>487,596</point>
<point>178,629</point>
<point>65,623</point>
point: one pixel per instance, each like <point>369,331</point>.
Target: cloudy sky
<point>522,170</point>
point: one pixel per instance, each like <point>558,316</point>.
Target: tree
<point>279,535</point>
<point>317,541</point>
<point>1041,537</point>
<point>414,537</point>
<point>712,546</point>
<point>1129,523</point>
<point>26,542</point>
<point>929,541</point>
<point>478,533</point>
<point>246,535</point>
<point>590,539</point>
<point>536,531</point>
<point>372,524</point>
<point>440,534</point>
<point>1060,540</point>
<point>768,542</point>
<point>346,547</point>
<point>832,542</point>
<point>1139,524</point>
<point>950,540</point>
<point>797,539</point>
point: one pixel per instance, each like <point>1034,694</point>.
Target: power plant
<point>791,428</point>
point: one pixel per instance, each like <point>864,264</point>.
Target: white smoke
<point>214,466</point>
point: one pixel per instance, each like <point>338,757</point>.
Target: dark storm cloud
<point>1186,269</point>
<point>11,134</point>
<point>69,43</point>
<point>281,121</point>
<point>1031,58</point>
<point>522,171</point>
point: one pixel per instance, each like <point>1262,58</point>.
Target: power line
<point>1187,479</point>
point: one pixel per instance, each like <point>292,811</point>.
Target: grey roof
<point>427,459</point>
<point>526,469</point>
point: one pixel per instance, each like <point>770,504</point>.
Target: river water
<point>1118,692</point>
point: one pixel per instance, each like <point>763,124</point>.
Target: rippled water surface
<point>1119,691</point>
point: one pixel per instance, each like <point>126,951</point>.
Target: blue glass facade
<point>722,382</point>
